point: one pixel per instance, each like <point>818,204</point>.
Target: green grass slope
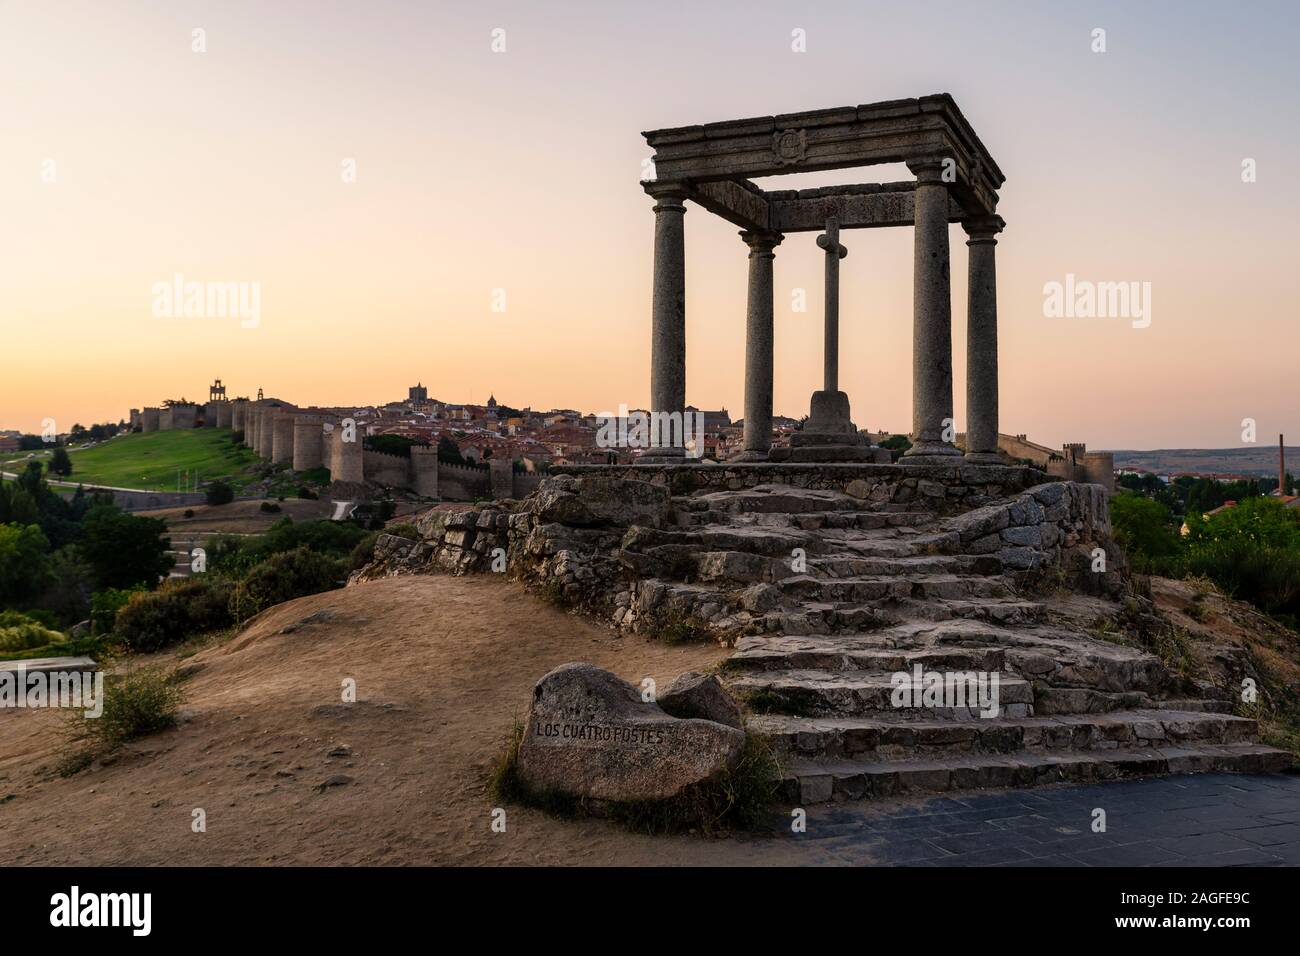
<point>150,462</point>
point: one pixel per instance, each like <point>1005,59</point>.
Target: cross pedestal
<point>829,433</point>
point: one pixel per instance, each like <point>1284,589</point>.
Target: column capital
<point>983,229</point>
<point>670,196</point>
<point>929,170</point>
<point>761,243</point>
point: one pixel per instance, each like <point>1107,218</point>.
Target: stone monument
<point>956,180</point>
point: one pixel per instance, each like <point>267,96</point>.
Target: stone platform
<point>833,580</point>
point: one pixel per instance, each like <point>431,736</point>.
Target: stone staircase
<point>830,596</point>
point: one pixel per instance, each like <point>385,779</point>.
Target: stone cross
<point>830,241</point>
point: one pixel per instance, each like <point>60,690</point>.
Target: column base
<point>749,455</point>
<point>933,452</point>
<point>984,458</point>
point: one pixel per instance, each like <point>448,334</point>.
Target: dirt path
<point>441,667</point>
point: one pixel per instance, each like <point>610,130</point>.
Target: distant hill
<point>1257,460</point>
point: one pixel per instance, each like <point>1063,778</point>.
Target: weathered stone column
<point>829,242</point>
<point>982,341</point>
<point>932,422</point>
<point>758,346</point>
<point>668,318</point>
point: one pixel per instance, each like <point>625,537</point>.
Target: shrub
<point>220,493</point>
<point>137,702</point>
<point>1266,576</point>
<point>21,632</point>
<point>179,609</point>
<point>307,493</point>
<point>105,604</point>
<point>270,507</point>
<point>236,556</point>
<point>364,552</point>
<point>189,512</point>
<point>283,577</point>
<point>1144,530</point>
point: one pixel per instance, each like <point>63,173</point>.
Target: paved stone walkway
<point>1216,819</point>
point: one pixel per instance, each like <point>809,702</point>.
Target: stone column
<point>758,346</point>
<point>982,342</point>
<point>829,242</point>
<point>931,321</point>
<point>668,318</point>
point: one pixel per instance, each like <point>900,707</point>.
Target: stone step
<point>858,565</point>
<point>773,498</point>
<point>889,587</point>
<point>884,738</point>
<point>742,567</point>
<point>817,693</point>
<point>808,782</point>
<point>1201,706</point>
<point>1083,663</point>
<point>814,617</point>
<point>785,654</point>
<point>810,521</point>
<point>1008,611</point>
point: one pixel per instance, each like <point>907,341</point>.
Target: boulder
<point>589,734</point>
<point>701,696</point>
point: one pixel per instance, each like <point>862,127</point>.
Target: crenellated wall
<point>391,470</point>
<point>463,482</point>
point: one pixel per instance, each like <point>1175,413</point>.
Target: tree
<point>60,462</point>
<point>17,506</point>
<point>1142,527</point>
<point>449,451</point>
<point>123,549</point>
<point>24,563</point>
<point>220,493</point>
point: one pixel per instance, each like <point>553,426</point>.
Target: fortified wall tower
<point>309,441</point>
<point>346,457</point>
<point>282,435</point>
<point>424,471</point>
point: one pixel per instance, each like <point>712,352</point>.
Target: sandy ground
<point>442,666</point>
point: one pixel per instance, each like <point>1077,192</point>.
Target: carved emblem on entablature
<point>789,146</point>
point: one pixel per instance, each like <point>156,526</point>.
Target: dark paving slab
<point>1196,820</point>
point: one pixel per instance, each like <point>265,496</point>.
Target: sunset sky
<point>519,171</point>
